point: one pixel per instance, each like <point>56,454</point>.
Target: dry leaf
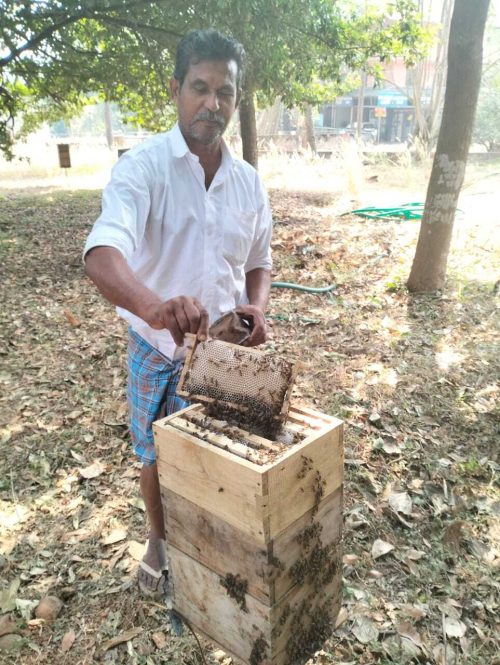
<point>414,555</point>
<point>136,550</point>
<point>454,627</point>
<point>349,559</point>
<point>364,630</point>
<point>92,471</point>
<point>414,611</point>
<point>401,502</point>
<point>444,656</point>
<point>342,617</point>
<point>160,640</point>
<point>71,318</point>
<point>114,536</point>
<point>391,448</point>
<point>7,625</point>
<point>119,639</point>
<point>8,596</point>
<point>67,640</point>
<point>381,547</point>
<point>405,629</point>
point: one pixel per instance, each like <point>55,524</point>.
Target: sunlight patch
<point>448,357</point>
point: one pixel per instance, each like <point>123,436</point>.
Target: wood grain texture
<point>286,547</point>
<point>217,544</point>
<point>293,492</point>
<point>227,486</point>
<point>206,604</point>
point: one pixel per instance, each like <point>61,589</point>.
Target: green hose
<point>406,211</point>
<point>299,287</point>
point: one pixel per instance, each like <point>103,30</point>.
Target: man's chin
<point>208,136</point>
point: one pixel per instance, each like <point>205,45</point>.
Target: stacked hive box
<point>253,532</point>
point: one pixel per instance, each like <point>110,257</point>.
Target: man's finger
<point>203,327</point>
<point>193,316</point>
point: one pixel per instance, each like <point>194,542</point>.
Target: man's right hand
<point>179,315</point>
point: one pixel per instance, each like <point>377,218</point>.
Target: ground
<point>413,377</point>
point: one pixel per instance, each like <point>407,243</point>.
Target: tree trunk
<point>428,121</point>
<point>248,128</point>
<point>108,124</point>
<point>308,117</point>
<point>462,89</point>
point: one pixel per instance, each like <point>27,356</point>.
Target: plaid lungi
<point>152,381</point>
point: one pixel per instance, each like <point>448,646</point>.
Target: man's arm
<point>258,284</point>
<point>110,272</point>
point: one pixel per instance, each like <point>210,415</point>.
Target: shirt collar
<point>180,147</point>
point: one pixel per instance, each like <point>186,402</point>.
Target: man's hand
<point>258,321</point>
<point>179,315</point>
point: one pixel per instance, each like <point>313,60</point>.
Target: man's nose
<point>212,102</point>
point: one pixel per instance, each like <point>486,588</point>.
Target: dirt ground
<point>414,378</point>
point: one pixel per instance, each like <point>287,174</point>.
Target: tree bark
<point>248,128</point>
<point>108,124</point>
<point>311,139</point>
<point>465,54</point>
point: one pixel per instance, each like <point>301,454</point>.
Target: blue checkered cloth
<point>152,381</point>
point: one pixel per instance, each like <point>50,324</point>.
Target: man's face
<point>206,100</point>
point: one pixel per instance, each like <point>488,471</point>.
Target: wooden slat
<point>291,493</point>
<point>306,421</point>
<point>259,441</point>
<point>216,544</point>
<point>199,596</point>
<point>219,440</point>
<point>287,549</point>
<point>190,341</point>
<point>227,486</point>
<point>318,415</point>
<point>296,368</point>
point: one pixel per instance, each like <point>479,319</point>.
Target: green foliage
<point>487,127</point>
<point>122,50</point>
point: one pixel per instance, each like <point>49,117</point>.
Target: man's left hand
<point>258,321</point>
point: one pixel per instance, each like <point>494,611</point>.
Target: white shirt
<point>179,238</point>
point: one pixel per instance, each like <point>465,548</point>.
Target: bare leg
<point>154,556</point>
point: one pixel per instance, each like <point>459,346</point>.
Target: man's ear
<point>174,88</point>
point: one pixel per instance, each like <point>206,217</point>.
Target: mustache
<point>209,115</point>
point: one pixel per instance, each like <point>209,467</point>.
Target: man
<point>183,236</point>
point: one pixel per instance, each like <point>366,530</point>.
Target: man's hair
<point>209,44</point>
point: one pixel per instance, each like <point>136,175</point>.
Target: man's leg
<point>155,555</point>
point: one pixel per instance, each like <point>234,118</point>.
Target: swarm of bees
<point>309,628</point>
<point>259,649</point>
<point>317,567</point>
<point>236,588</point>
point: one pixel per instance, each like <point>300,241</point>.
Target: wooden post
<point>64,155</point>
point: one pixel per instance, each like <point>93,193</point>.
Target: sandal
<point>156,583</point>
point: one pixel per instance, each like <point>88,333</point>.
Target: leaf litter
<point>414,379</point>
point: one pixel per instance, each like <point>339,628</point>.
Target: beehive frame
<point>239,354</point>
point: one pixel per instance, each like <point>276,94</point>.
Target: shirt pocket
<point>238,230</point>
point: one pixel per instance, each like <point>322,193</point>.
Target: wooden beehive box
<point>254,531</point>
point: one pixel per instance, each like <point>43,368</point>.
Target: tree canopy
<point>55,54</point>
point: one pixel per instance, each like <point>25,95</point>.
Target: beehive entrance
<point>239,384</point>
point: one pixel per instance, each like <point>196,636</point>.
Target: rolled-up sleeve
<point>126,203</point>
<point>260,253</point>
